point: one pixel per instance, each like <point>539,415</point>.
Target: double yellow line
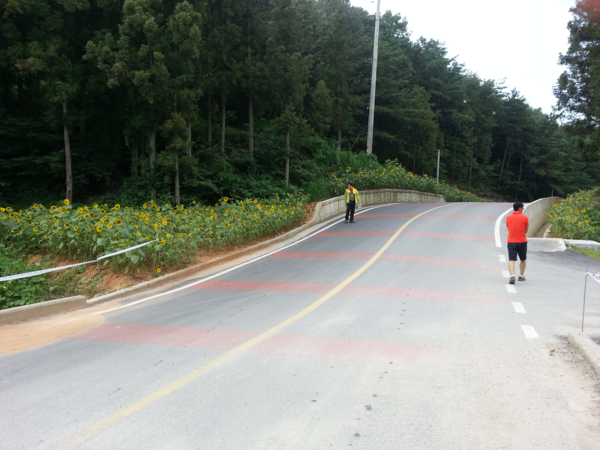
<point>191,376</point>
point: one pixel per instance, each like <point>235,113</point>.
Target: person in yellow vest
<point>351,198</point>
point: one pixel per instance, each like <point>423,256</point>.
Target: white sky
<point>516,40</point>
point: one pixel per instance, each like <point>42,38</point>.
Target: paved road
<point>397,332</point>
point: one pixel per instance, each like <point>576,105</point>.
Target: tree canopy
<point>197,99</point>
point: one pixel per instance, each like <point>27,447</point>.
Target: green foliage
<point>594,254</point>
<point>577,216</point>
<point>23,291</point>
<point>92,231</point>
<point>392,175</point>
<point>180,100</point>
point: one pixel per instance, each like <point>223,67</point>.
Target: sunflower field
<point>175,232</point>
<point>393,176</point>
<point>577,216</point>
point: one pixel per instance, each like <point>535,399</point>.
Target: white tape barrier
<point>127,249</point>
<point>595,276</point>
<point>41,272</point>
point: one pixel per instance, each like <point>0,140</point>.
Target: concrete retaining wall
<point>26,312</point>
<point>336,206</point>
<point>538,213</point>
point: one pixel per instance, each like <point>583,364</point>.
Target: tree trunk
<point>223,121</point>
<point>189,138</point>
<point>177,198</point>
<point>82,130</point>
<point>339,128</point>
<point>209,122</point>
<point>470,173</point>
<point>69,169</point>
<point>134,158</point>
<point>520,172</point>
<point>287,159</point>
<point>251,126</point>
<point>504,158</point>
<point>152,140</point>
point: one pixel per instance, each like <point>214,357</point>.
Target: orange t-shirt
<point>517,223</point>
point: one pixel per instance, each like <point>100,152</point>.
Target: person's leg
<point>522,266</point>
<point>347,211</point>
<point>511,268</point>
<point>523,257</point>
<point>512,258</point>
<point>352,207</point>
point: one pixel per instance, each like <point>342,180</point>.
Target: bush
<point>577,216</point>
<point>92,231</point>
<point>18,292</point>
<point>393,176</point>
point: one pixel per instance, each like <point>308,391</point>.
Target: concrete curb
<point>20,313</point>
<point>324,211</point>
<point>588,349</point>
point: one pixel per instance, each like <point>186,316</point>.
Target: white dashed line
<point>506,274</point>
<point>502,258</point>
<point>511,289</point>
<point>519,307</point>
<point>529,332</point>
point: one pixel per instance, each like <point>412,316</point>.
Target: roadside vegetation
<point>577,216</point>
<point>175,233</point>
<point>393,176</point>
<point>584,251</point>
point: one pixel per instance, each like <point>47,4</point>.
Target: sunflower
<point>158,270</point>
<point>35,205</point>
<point>86,216</point>
<point>119,222</point>
<point>117,207</point>
<point>53,208</point>
<point>99,228</point>
<point>35,229</point>
<point>164,222</point>
<point>76,228</point>
<point>66,202</point>
<point>109,226</point>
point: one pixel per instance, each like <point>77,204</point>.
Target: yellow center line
<point>191,376</point>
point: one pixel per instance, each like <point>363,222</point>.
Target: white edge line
<point>233,268</point>
<point>511,289</point>
<point>497,227</point>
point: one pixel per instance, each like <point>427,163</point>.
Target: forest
<point>179,101</point>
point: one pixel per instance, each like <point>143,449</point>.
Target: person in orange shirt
<point>517,224</point>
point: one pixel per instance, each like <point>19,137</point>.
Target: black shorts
<point>517,248</point>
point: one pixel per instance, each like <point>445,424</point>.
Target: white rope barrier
<point>41,272</point>
<point>595,276</point>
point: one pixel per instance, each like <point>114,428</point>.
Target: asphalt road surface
<point>396,332</point>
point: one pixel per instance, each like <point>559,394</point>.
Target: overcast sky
<point>516,40</point>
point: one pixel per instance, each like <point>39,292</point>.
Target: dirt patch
<point>25,335</point>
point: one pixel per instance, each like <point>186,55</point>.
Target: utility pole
<point>437,178</point>
<point>373,83</point>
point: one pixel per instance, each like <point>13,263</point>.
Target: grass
<point>584,251</point>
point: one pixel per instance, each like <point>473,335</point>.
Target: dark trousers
<point>350,206</point>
